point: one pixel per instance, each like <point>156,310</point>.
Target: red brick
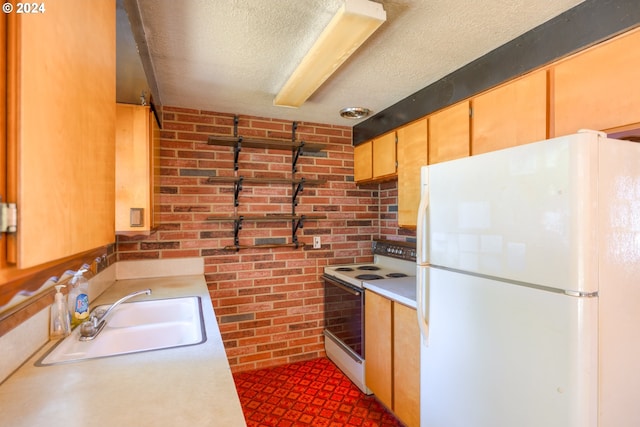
<point>280,287</point>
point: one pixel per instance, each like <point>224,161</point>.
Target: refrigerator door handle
<point>422,303</point>
<point>422,248</point>
<point>422,255</point>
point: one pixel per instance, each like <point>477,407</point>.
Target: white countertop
<point>402,290</point>
<point>186,386</point>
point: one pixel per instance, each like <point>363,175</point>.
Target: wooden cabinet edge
<point>140,116</point>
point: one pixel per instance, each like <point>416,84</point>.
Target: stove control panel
<point>390,248</point>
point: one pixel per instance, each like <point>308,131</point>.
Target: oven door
<point>344,314</point>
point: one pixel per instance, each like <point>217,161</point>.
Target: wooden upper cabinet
<point>136,168</point>
<point>412,155</point>
<point>510,115</point>
<point>363,162</point>
<point>61,129</point>
<point>375,159</point>
<point>384,155</point>
<point>449,133</point>
<point>599,88</point>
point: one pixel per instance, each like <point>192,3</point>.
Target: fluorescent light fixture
<point>354,22</point>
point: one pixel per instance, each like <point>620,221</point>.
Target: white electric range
<point>344,302</point>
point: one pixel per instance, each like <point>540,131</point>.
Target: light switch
<point>136,217</point>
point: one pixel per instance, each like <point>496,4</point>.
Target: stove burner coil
<point>369,268</point>
<point>369,277</point>
<point>395,275</point>
<point>344,269</point>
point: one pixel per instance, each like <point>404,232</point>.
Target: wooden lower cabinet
<point>406,360</point>
<point>392,356</point>
<point>379,346</point>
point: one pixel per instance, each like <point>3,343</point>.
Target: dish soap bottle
<point>60,325</point>
<point>79,298</point>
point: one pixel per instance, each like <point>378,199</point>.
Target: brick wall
<point>268,301</point>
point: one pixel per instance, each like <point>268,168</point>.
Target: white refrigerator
<point>529,286</point>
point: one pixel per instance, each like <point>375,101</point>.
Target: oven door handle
<point>349,289</point>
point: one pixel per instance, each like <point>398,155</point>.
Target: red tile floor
<point>311,393</point>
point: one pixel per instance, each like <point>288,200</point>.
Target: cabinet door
<point>510,115</point>
<point>134,162</point>
<point>449,133</point>
<point>378,365</point>
<point>61,129</point>
<point>406,362</point>
<point>363,162</point>
<point>600,88</point>
<point>384,155</point>
<point>412,155</point>
<point>154,185</point>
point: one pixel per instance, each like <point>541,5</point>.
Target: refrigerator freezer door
<point>504,355</point>
<point>526,213</point>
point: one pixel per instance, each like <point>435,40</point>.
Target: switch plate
<point>136,217</point>
<point>316,242</point>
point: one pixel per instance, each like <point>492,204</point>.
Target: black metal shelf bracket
<point>238,146</point>
<point>297,152</point>
<point>237,226</point>
<point>237,188</point>
<point>295,225</point>
<point>294,199</point>
<point>236,153</point>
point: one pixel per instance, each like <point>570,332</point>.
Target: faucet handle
<point>98,313</point>
<point>88,327</point>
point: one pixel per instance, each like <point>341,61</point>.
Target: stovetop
<point>391,260</point>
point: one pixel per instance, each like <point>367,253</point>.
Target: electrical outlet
<point>316,242</point>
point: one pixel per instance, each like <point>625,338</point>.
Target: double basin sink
<point>135,327</point>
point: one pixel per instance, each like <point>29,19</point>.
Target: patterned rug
<point>310,393</point>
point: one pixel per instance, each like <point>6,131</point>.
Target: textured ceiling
<point>234,55</point>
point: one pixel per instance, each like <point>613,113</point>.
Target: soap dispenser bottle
<point>79,298</point>
<point>60,325</point>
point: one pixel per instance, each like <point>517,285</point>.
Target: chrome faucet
<point>92,327</point>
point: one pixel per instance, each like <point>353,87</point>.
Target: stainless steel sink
<point>135,327</point>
